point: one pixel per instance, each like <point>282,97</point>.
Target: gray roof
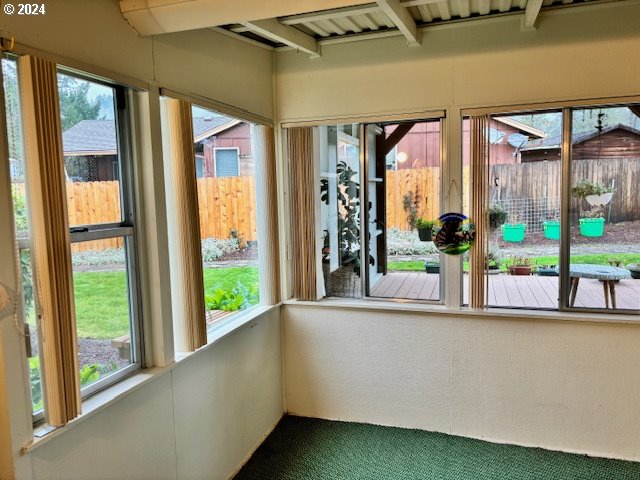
<point>556,140</point>
<point>100,135</point>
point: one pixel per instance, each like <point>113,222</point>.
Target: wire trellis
<point>531,211</point>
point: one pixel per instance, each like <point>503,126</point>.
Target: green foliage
<point>519,261</point>
<point>238,298</point>
<point>497,216</point>
<point>584,188</point>
<point>421,223</point>
<point>36,383</point>
<point>74,101</point>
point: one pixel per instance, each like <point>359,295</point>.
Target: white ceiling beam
<point>153,17</point>
<point>291,36</point>
<point>531,12</point>
<point>402,19</point>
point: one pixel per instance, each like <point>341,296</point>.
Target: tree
<point>75,105</point>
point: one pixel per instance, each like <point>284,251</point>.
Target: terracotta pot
<point>520,270</point>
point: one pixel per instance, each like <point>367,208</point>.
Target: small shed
<point>616,141</point>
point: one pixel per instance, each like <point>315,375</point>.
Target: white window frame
<point>215,161</point>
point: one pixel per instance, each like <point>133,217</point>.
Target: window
<point>400,186</point>
<point>101,217</point>
<point>18,194</point>
<point>100,208</point>
<point>227,162</point>
<point>562,222</point>
<point>228,214</point>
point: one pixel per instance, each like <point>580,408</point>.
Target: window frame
<point>215,159</point>
<point>566,108</point>
<point>125,229</point>
<point>364,212</point>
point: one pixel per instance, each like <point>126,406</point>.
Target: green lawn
<point>102,304</point>
<point>597,259</point>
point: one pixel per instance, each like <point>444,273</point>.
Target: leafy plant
<point>519,261</point>
<point>233,300</point>
<point>584,188</point>
<point>497,216</point>
<point>93,372</point>
<point>426,224</point>
<point>36,383</point>
<point>411,209</point>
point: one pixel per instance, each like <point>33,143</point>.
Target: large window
<point>102,229</point>
<point>228,214</point>
<point>562,206</point>
<point>95,141</point>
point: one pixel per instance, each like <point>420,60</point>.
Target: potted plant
<point>497,216</point>
<point>634,268</point>
<point>432,266</point>
<point>520,266</point>
<point>552,228</point>
<point>493,260</point>
<point>514,232</point>
<point>425,227</point>
<point>596,194</point>
<point>547,270</point>
<point>591,223</point>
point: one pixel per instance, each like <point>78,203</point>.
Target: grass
<point>102,306</point>
<point>596,259</point>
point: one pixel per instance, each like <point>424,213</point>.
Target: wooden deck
<point>508,290</point>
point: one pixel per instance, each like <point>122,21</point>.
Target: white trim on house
<point>215,163</point>
<point>216,130</point>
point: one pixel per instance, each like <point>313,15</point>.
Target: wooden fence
<point>538,180</point>
<point>228,204</point>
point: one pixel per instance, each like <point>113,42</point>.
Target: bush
<point>426,224</point>
<point>213,249</point>
<point>401,242</point>
<point>108,256</point>
<point>497,216</point>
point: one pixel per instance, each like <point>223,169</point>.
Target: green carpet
<point>304,448</point>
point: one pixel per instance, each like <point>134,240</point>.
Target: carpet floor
<point>304,448</point>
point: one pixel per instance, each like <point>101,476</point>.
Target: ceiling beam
<point>291,36</point>
<point>531,12</point>
<point>402,19</point>
<point>395,137</point>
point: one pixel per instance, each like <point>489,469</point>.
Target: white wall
<point>560,385</point>
<point>202,62</point>
<point>199,420</point>
<point>580,52</point>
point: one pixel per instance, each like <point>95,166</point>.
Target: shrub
<point>497,216</point>
<point>400,242</point>
<point>426,224</point>
<point>213,249</point>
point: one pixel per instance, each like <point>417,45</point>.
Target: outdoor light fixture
<point>401,157</point>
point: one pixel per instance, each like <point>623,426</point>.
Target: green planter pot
<point>592,227</point>
<point>432,267</point>
<point>552,230</point>
<point>513,232</point>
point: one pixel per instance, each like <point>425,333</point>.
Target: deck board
<point>510,291</point>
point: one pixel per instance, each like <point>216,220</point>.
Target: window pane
<point>524,210</point>
<point>91,153</point>
<point>408,178</point>
<point>18,194</point>
<point>340,184</point>
<point>103,308</point>
<point>227,206</point>
<point>605,208</point>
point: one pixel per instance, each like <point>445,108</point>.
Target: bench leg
<point>612,289</point>
<point>605,285</point>
<point>573,291</point>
